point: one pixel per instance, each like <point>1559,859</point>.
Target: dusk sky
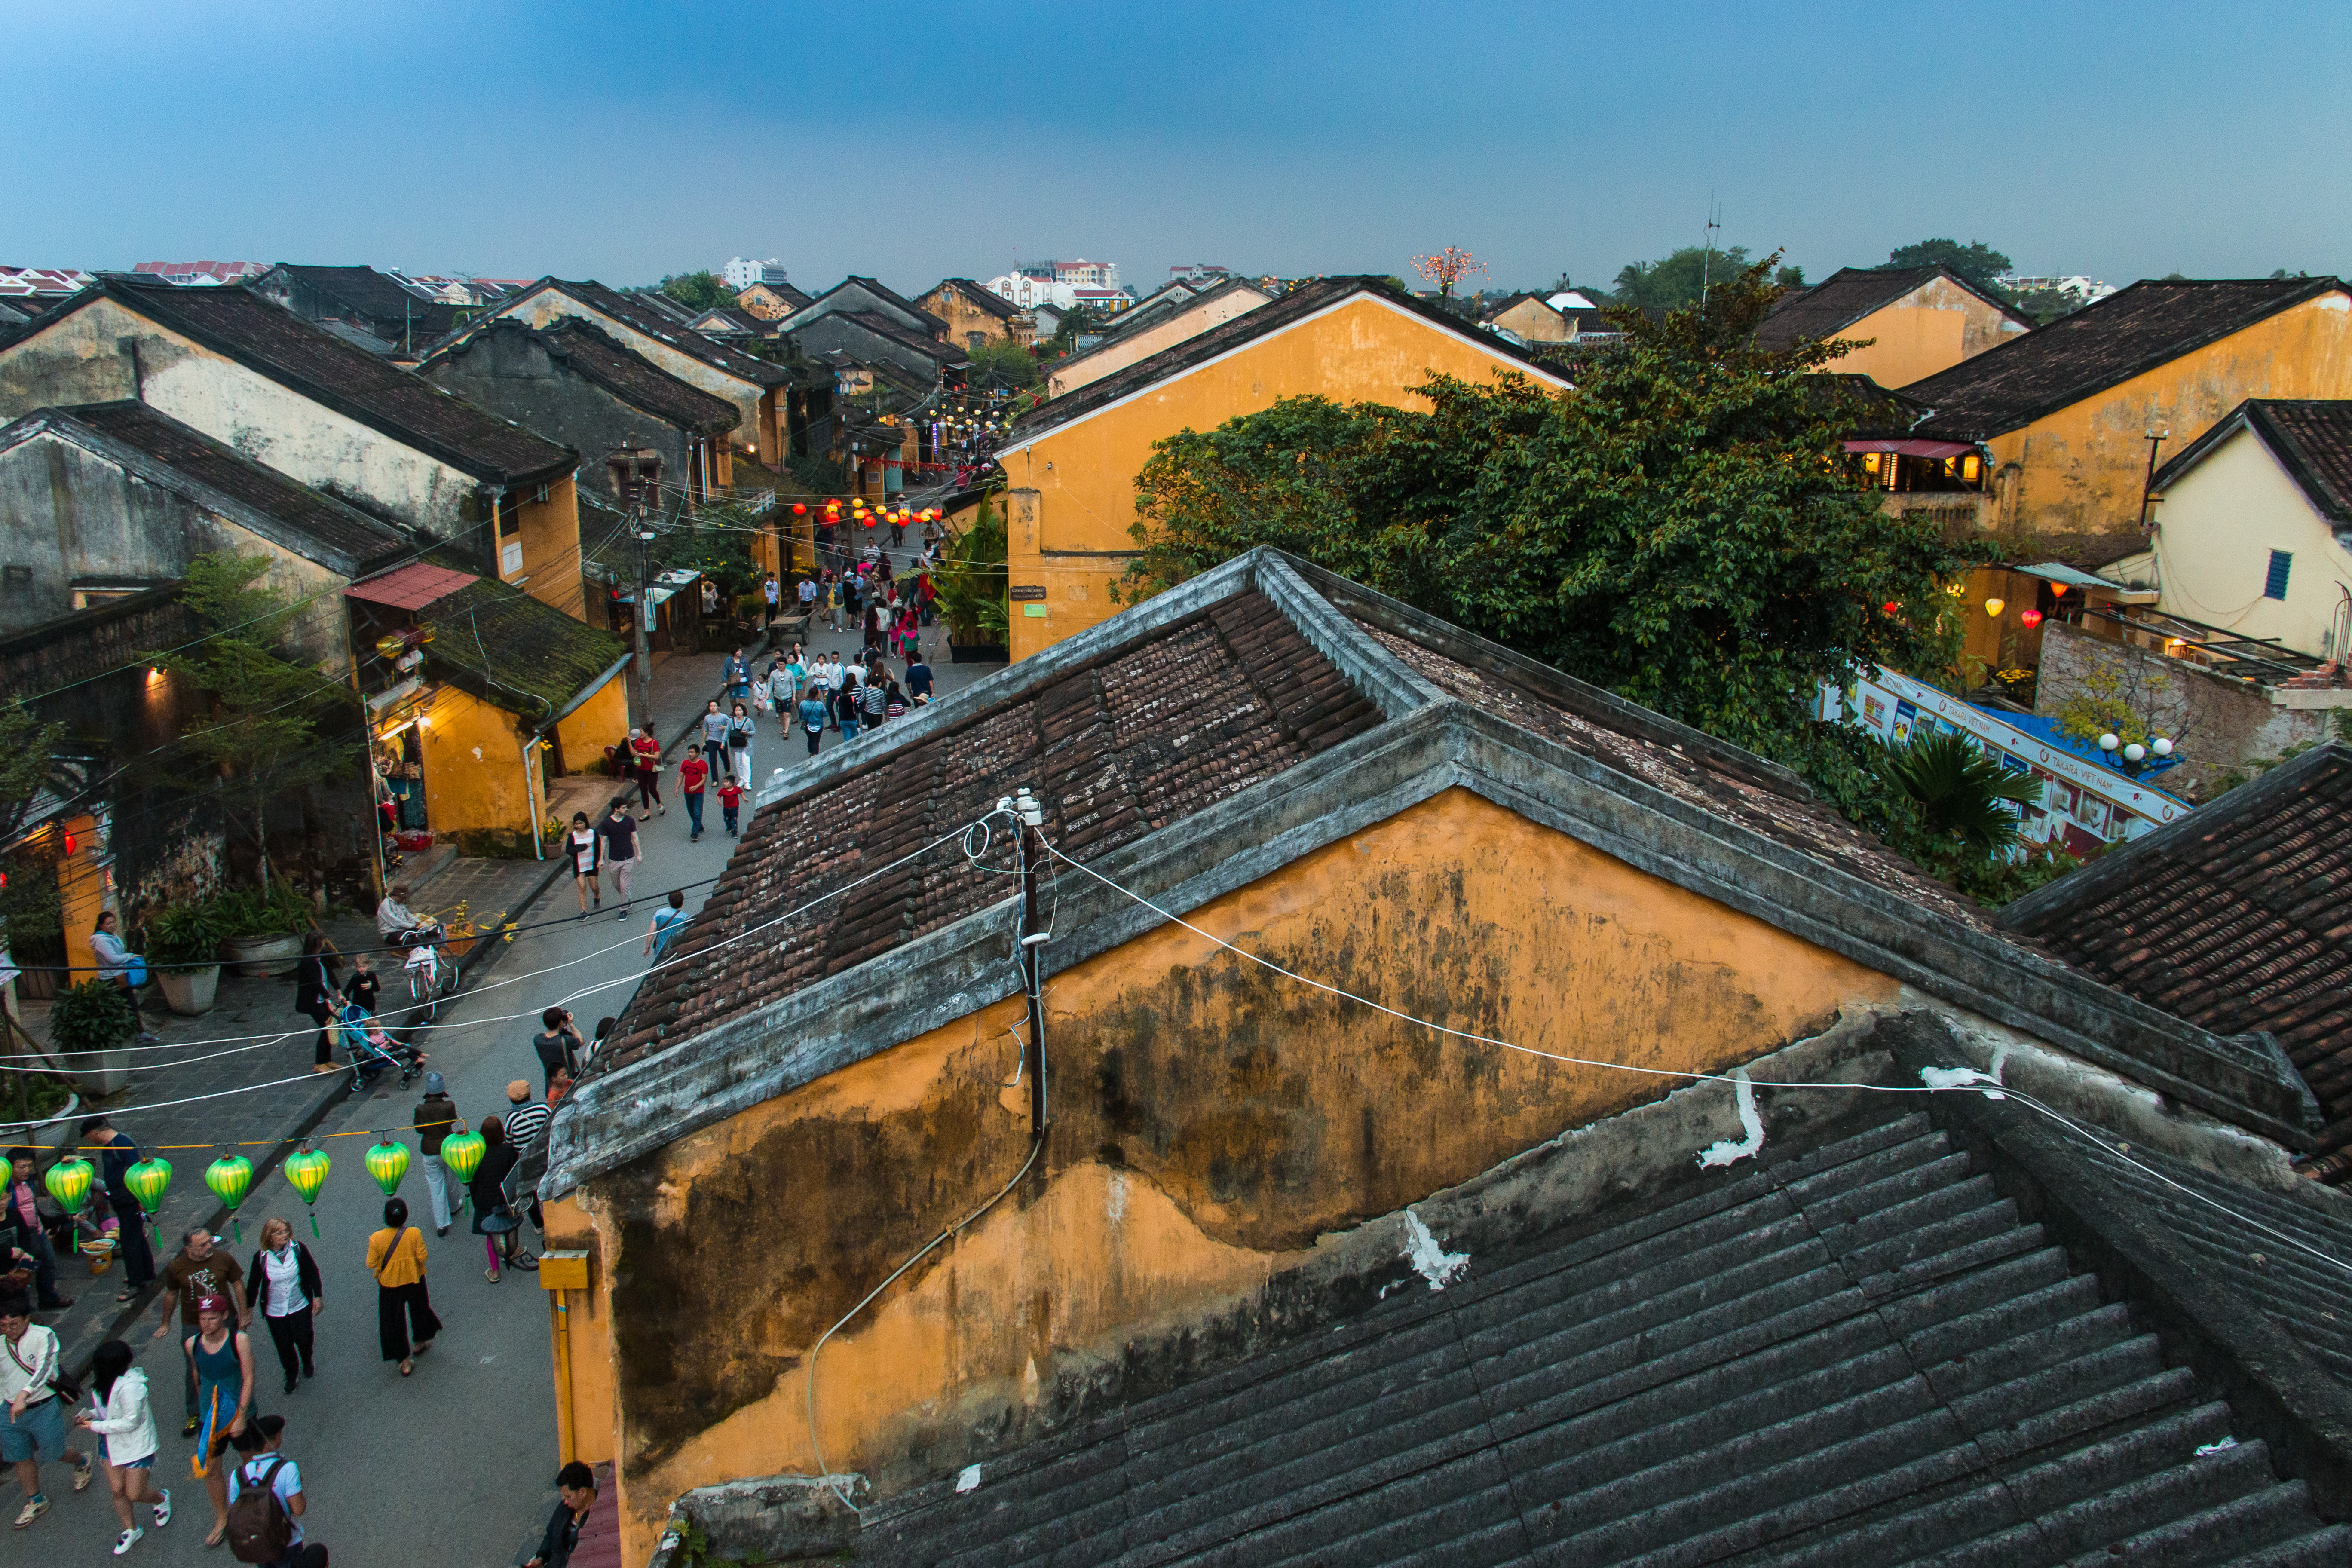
<point>913,141</point>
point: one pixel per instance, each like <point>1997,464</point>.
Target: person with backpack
<point>812,716</point>
<point>266,1504</point>
<point>670,920</point>
<point>121,1414</point>
<point>740,732</point>
<point>575,1486</point>
<point>395,1255</point>
<point>31,1420</point>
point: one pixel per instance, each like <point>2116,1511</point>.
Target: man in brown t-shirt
<point>200,1270</point>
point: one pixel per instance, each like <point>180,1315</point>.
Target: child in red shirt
<point>730,796</point>
<point>693,773</point>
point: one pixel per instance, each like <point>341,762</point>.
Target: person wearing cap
<point>201,1272</point>
<point>220,1359</point>
<point>526,1120</point>
<point>33,1418</point>
<point>437,1118</point>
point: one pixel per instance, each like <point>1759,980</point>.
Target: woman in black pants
<point>315,990</point>
<point>284,1286</point>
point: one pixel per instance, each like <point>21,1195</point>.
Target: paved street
<point>454,1465</point>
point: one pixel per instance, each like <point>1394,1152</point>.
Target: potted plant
<point>263,928</point>
<point>88,1025</point>
<point>184,949</point>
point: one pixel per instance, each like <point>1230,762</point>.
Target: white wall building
<point>743,272</point>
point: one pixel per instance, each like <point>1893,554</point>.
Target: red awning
<point>1914,449</point>
<point>410,587</point>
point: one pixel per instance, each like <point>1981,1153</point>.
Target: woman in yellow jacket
<point>403,1312</point>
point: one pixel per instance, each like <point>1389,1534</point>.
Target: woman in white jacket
<point>120,1414</point>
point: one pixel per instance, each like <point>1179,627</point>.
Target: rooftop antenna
<point>1706,257</point>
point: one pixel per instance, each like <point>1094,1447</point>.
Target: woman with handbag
<point>315,990</point>
<point>222,1356</point>
<point>404,1310</point>
<point>494,1217</point>
<point>285,1283</point>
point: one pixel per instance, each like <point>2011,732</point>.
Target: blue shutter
<point>2274,586</point>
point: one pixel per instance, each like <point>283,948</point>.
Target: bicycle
<point>432,976</point>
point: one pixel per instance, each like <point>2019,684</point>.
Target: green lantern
<point>230,1178</point>
<point>461,1156</point>
<point>149,1180</point>
<point>306,1172</point>
<point>388,1161</point>
<point>68,1181</point>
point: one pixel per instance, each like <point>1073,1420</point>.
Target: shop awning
<point>410,587</point>
<point>1914,449</point>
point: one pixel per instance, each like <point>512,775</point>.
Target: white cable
<point>1737,1077</point>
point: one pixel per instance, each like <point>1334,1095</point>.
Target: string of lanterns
<point>870,516</point>
<point>230,1177</point>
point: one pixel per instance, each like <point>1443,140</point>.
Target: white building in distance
<point>741,272</point>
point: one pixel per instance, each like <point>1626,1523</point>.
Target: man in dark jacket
<point>117,1156</point>
<point>437,1118</point>
<point>575,1486</point>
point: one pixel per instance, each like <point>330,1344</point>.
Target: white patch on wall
<point>2334,303</point>
<point>1115,1204</point>
<point>478,754</point>
<point>1725,1153</point>
<point>1429,1260</point>
<point>968,1478</point>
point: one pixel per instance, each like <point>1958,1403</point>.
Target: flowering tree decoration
<point>1447,268</point>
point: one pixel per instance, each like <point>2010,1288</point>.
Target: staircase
<point>1859,1356</point>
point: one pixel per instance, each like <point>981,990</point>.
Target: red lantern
<point>1890,606</point>
<point>2032,618</point>
<point>799,510</point>
<point>73,846</point>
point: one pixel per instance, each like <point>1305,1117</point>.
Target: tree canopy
<point>1976,261</point>
<point>1679,527</point>
<point>998,363</point>
<point>1675,281</point>
<point>697,290</point>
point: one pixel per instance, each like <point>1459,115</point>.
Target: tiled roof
<point>1148,737</point>
<point>2312,439</point>
<point>1294,306</point>
<point>636,379</point>
<point>379,296</point>
<point>2236,918</point>
<point>980,297</point>
<point>883,326</point>
<point>513,652</point>
<point>2127,333</point>
<point>630,311</point>
<point>240,323</point>
<point>1849,294</point>
<point>342,530</point>
<point>920,319</point>
<point>55,282</point>
<point>1861,1353</point>
<point>1784,815</point>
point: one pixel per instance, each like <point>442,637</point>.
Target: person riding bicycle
<point>400,925</point>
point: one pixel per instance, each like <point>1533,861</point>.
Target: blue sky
<point>913,140</point>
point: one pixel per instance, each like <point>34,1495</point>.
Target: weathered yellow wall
<point>603,720</point>
<point>1362,351</point>
<point>1931,329</point>
<point>1209,1122</point>
<point>551,547</point>
<point>2081,470</point>
<point>1535,322</point>
<point>1132,347</point>
<point>2216,528</point>
<point>82,891</point>
<point>473,766</point>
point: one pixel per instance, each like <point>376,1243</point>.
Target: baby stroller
<point>374,1052</point>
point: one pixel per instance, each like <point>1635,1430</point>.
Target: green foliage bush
<point>91,1015</point>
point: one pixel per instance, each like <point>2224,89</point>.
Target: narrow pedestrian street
<point>468,1442</point>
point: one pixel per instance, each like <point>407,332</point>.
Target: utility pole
<point>1033,943</point>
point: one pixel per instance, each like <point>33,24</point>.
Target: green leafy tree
<point>697,290</point>
<point>970,580</point>
<point>263,735</point>
<point>1677,279</point>
<point>1076,320</point>
<point>1976,261</point>
<point>996,364</point>
<point>1790,277</point>
<point>1678,528</point>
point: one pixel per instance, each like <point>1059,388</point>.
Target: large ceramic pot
<point>262,957</point>
<point>189,991</point>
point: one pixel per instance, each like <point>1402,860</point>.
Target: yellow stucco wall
<point>1133,347</point>
<point>550,548</point>
<point>1535,322</point>
<point>2081,470</point>
<point>1209,1122</point>
<point>603,720</point>
<point>1362,350</point>
<point>474,775</point>
<point>2216,528</point>
<point>1931,329</point>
